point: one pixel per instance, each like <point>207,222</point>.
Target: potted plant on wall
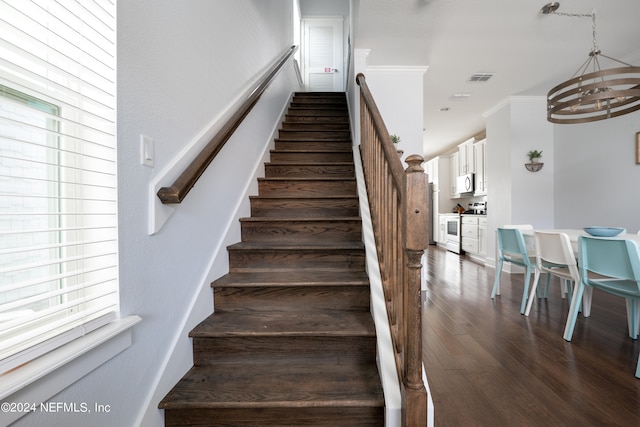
<point>534,156</point>
<point>396,140</point>
<point>534,164</point>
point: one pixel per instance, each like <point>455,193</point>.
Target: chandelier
<point>593,94</point>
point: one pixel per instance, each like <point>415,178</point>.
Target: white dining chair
<point>555,257</point>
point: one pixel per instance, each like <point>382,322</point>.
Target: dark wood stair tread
<point>296,245</point>
<point>307,277</point>
<point>308,178</point>
<point>309,205</point>
<point>299,219</point>
<point>304,196</point>
<point>289,385</point>
<point>302,151</point>
<point>301,323</point>
<point>303,162</point>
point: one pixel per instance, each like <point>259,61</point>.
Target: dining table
<point>574,235</point>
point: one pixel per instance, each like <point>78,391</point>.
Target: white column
<point>398,92</point>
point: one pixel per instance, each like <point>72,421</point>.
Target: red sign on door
<point>327,69</point>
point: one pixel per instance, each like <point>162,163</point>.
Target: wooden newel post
<point>416,241</point>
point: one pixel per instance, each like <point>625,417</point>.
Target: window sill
<point>41,379</point>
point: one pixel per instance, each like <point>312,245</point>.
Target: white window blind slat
<point>41,136</point>
<point>70,276</point>
<point>58,176</point>
<point>53,246</point>
<point>20,326</point>
<point>13,305</point>
<point>34,71</point>
<point>61,262</point>
<point>41,344</point>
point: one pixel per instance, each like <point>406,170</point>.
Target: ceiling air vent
<point>480,77</point>
<point>460,96</point>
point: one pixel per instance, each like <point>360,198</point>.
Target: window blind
<point>58,211</point>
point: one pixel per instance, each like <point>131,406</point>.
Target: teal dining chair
<point>612,266</point>
<point>513,249</point>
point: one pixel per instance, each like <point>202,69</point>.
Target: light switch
<point>146,151</point>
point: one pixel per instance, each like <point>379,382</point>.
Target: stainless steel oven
<point>453,233</point>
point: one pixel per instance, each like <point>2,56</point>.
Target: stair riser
<point>283,350</point>
<point>271,417</point>
<point>309,171</point>
<point>324,104</point>
<point>320,94</point>
<point>310,126</point>
<point>314,135</point>
<point>302,146</point>
<point>321,100</point>
<point>291,230</point>
<point>320,110</point>
<point>310,208</point>
<point>311,156</point>
<point>306,111</point>
<point>336,259</point>
<point>314,119</point>
<point>306,188</point>
<point>291,298</point>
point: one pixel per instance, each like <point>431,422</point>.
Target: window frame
<point>47,374</point>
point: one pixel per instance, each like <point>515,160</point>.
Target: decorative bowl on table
<point>604,231</point>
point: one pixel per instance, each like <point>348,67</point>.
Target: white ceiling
<point>528,52</point>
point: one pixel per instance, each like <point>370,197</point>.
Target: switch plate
<point>146,151</point>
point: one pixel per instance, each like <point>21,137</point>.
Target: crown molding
<point>397,69</point>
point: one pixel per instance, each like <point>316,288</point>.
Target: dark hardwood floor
<point>488,365</point>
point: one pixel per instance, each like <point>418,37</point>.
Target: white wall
<point>324,7</point>
<point>498,173</point>
<point>589,175</point>
<point>398,95</point>
<point>180,64</point>
<point>597,180</point>
<point>532,196</point>
<point>515,195</point>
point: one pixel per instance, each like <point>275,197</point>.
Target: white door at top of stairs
<point>322,54</point>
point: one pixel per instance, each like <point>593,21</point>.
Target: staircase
<point>292,341</point>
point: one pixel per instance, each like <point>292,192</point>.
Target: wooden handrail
<point>399,213</point>
<point>181,186</point>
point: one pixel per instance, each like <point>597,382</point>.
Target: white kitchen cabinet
<point>469,234</point>
<point>428,169</point>
<point>480,162</point>
<point>482,236</point>
<point>442,229</point>
<point>474,235</point>
<point>431,169</point>
<point>453,175</point>
<point>465,157</point>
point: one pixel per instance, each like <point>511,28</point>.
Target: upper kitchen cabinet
<point>480,163</point>
<point>454,172</point>
<point>465,157</point>
<point>431,169</point>
<point>469,158</point>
